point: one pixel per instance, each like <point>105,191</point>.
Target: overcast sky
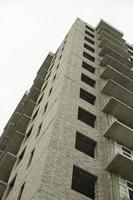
<point>29,29</point>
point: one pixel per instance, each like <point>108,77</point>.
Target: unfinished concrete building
<point>71,135</point>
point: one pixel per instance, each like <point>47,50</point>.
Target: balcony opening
<point>89,57</point>
<point>34,116</point>
<point>29,133</point>
<point>90,34</point>
<point>20,157</point>
<point>86,117</point>
<point>87,80</point>
<point>85,144</point>
<point>127,152</point>
<point>86,46</point>
<point>83,182</point>
<point>89,40</point>
<point>88,67</point>
<point>90,98</point>
<point>89,28</point>
<point>130,190</point>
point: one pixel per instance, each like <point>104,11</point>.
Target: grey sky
<point>32,28</point>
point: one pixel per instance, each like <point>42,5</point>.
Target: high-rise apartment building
<point>71,135</point>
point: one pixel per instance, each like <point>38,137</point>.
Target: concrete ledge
<point>120,41</point>
<point>120,133</point>
<point>122,166</point>
<point>118,57</point>
<point>115,64</point>
<point>117,91</point>
<point>119,110</point>
<point>102,24</point>
<point>110,73</point>
<point>115,46</point>
<point>116,52</point>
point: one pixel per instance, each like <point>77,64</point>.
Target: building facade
<point>71,135</point>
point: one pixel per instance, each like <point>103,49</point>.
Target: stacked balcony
<point>122,163</point>
<point>115,64</point>
<point>39,80</point>
<point>112,44</point>
<point>116,70</point>
<point>15,129</point>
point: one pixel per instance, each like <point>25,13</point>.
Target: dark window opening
<point>86,117</point>
<point>21,191</point>
<point>39,101</point>
<point>31,157</point>
<point>44,87</point>
<point>89,48</point>
<point>88,56</point>
<point>90,98</point>
<point>45,108</point>
<point>89,40</point>
<point>48,76</point>
<point>88,67</point>
<point>90,34</point>
<point>39,129</point>
<point>20,157</point>
<point>63,48</point>
<point>83,182</point>
<point>87,80</point>
<point>29,133</point>
<point>57,67</point>
<point>130,185</point>
<point>54,77</point>
<point>51,67</point>
<point>130,194</point>
<point>89,28</point>
<point>85,144</point>
<point>50,92</point>
<point>34,116</point>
